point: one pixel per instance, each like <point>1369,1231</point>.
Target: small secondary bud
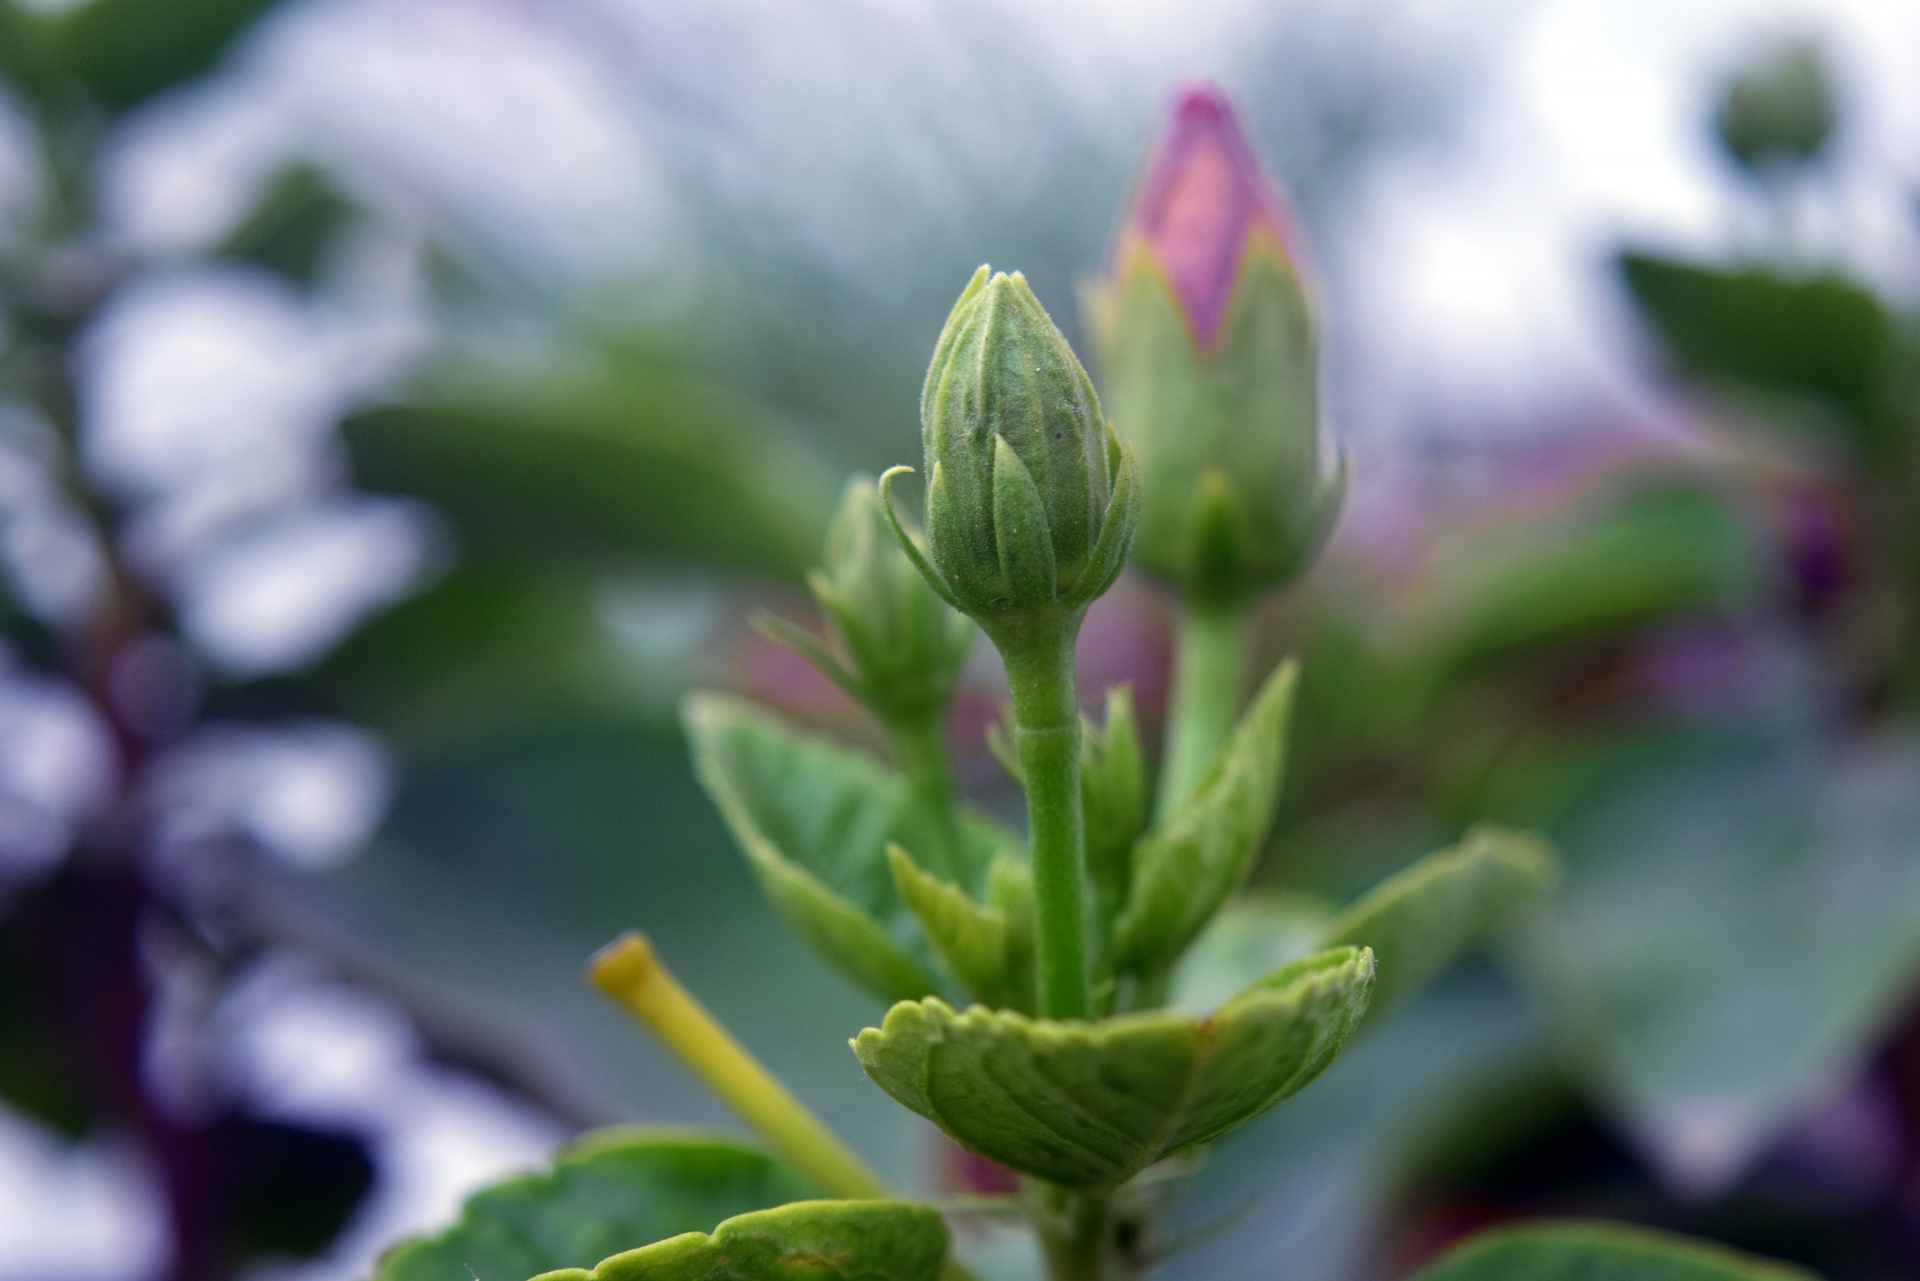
<point>904,647</point>
<point>1207,338</point>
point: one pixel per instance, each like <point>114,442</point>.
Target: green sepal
<point>1451,901</point>
<point>606,1192</point>
<point>1092,1104</point>
<point>987,946</point>
<point>805,1241</point>
<point>1592,1251</point>
<point>1020,532</point>
<point>814,819</point>
<point>1117,529</point>
<point>1235,497</point>
<point>1185,867</point>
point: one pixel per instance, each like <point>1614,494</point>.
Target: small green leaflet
<point>1451,901</point>
<point>987,946</point>
<point>1418,921</point>
<point>1185,868</point>
<point>814,820</point>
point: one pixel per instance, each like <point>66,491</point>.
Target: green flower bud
<point>903,646</point>
<point>1029,494</point>
<point>1209,350</point>
<point>1778,110</point>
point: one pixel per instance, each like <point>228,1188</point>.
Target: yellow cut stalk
<point>629,973</point>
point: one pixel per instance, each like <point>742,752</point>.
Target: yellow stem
<point>628,972</point>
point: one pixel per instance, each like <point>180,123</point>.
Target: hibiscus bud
<point>904,646</point>
<point>1206,332</point>
<point>1029,495</point>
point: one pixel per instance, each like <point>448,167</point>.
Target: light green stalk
<point>1209,662</point>
<point>1046,720</point>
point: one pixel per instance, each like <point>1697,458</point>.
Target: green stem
<point>920,750</point>
<point>1046,719</point>
<point>1080,1234</point>
<point>1209,659</point>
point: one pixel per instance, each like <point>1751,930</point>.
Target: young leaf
<point>1090,1104</point>
<point>605,1193</point>
<point>806,1241</point>
<point>1255,934</point>
<point>1574,1251</point>
<point>814,820</point>
<point>1184,868</point>
<point>1113,781</point>
<point>1443,906</point>
<point>987,946</point>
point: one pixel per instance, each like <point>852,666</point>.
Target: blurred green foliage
<point>115,54</point>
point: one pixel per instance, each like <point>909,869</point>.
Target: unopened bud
<point>1029,495</point>
<point>1208,350</point>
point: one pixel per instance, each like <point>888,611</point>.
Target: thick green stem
<point>1046,719</point>
<point>1087,1236</point>
<point>920,750</point>
<point>1209,660</point>
<point>1073,1229</point>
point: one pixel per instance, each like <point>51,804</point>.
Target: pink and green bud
<point>1209,350</point>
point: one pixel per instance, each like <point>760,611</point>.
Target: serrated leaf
<point>987,946</point>
<point>1184,868</point>
<point>806,1241</point>
<point>1576,1251</point>
<point>1422,918</point>
<point>605,1193</point>
<point>814,819</point>
<point>1090,1104</point>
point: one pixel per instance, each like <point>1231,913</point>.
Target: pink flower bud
<point>1204,198</point>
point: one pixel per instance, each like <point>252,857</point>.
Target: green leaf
<point>1184,868</point>
<point>492,647</point>
<point>1661,551</point>
<point>807,1241</point>
<point>1449,902</point>
<point>292,226</point>
<point>814,820</point>
<point>1088,1104</point>
<point>605,1193</point>
<point>650,464</point>
<point>1575,1251</point>
<point>118,51</point>
<point>987,946</point>
<point>1737,922</point>
<point>1813,338</point>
